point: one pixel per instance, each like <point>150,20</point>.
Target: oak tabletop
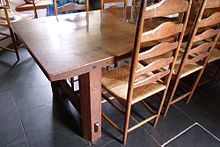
<point>72,44</point>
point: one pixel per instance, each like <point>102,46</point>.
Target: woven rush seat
<point>187,70</point>
<point>116,83</point>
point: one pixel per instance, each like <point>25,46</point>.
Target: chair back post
<point>34,9</point>
<point>7,18</point>
<point>55,7</point>
<point>87,5</point>
<point>135,53</point>
<point>102,4</point>
<point>134,60</point>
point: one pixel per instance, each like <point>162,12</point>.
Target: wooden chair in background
<point>133,83</point>
<point>6,18</point>
<point>103,2</point>
<point>201,43</point>
<point>70,7</point>
<point>214,59</point>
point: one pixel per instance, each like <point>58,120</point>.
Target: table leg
<point>90,101</point>
<point>55,88</point>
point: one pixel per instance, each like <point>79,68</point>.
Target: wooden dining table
<point>78,44</point>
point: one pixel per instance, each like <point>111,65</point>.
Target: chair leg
<point>17,54</point>
<point>172,94</point>
<point>14,41</point>
<point>72,82</point>
<point>195,85</point>
<point>160,107</point>
<point>126,123</point>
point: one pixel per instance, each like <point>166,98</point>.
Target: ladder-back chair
<point>6,18</point>
<point>133,83</point>
<point>201,43</point>
<point>71,6</point>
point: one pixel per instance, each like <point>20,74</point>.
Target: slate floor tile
<point>3,79</point>
<point>209,101</point>
<point>136,138</point>
<point>10,124</point>
<point>18,143</point>
<point>167,127</point>
<point>195,137</point>
<point>207,113</point>
<point>52,125</point>
<point>28,83</point>
<point>8,58</point>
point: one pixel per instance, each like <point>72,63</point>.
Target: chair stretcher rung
<point>112,123</point>
<point>104,100</point>
<point>142,123</point>
<point>4,38</point>
<point>113,104</point>
<point>148,107</point>
<point>8,49</point>
<point>180,97</point>
<point>5,34</point>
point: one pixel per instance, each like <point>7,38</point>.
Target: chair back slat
<point>162,31</point>
<point>71,6</point>
<point>158,50</point>
<point>151,79</point>
<point>195,59</point>
<point>160,63</point>
<point>210,21</point>
<point>200,48</point>
<point>212,4</point>
<point>166,7</point>
<point>205,35</point>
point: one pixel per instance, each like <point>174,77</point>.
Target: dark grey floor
<point>30,117</point>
